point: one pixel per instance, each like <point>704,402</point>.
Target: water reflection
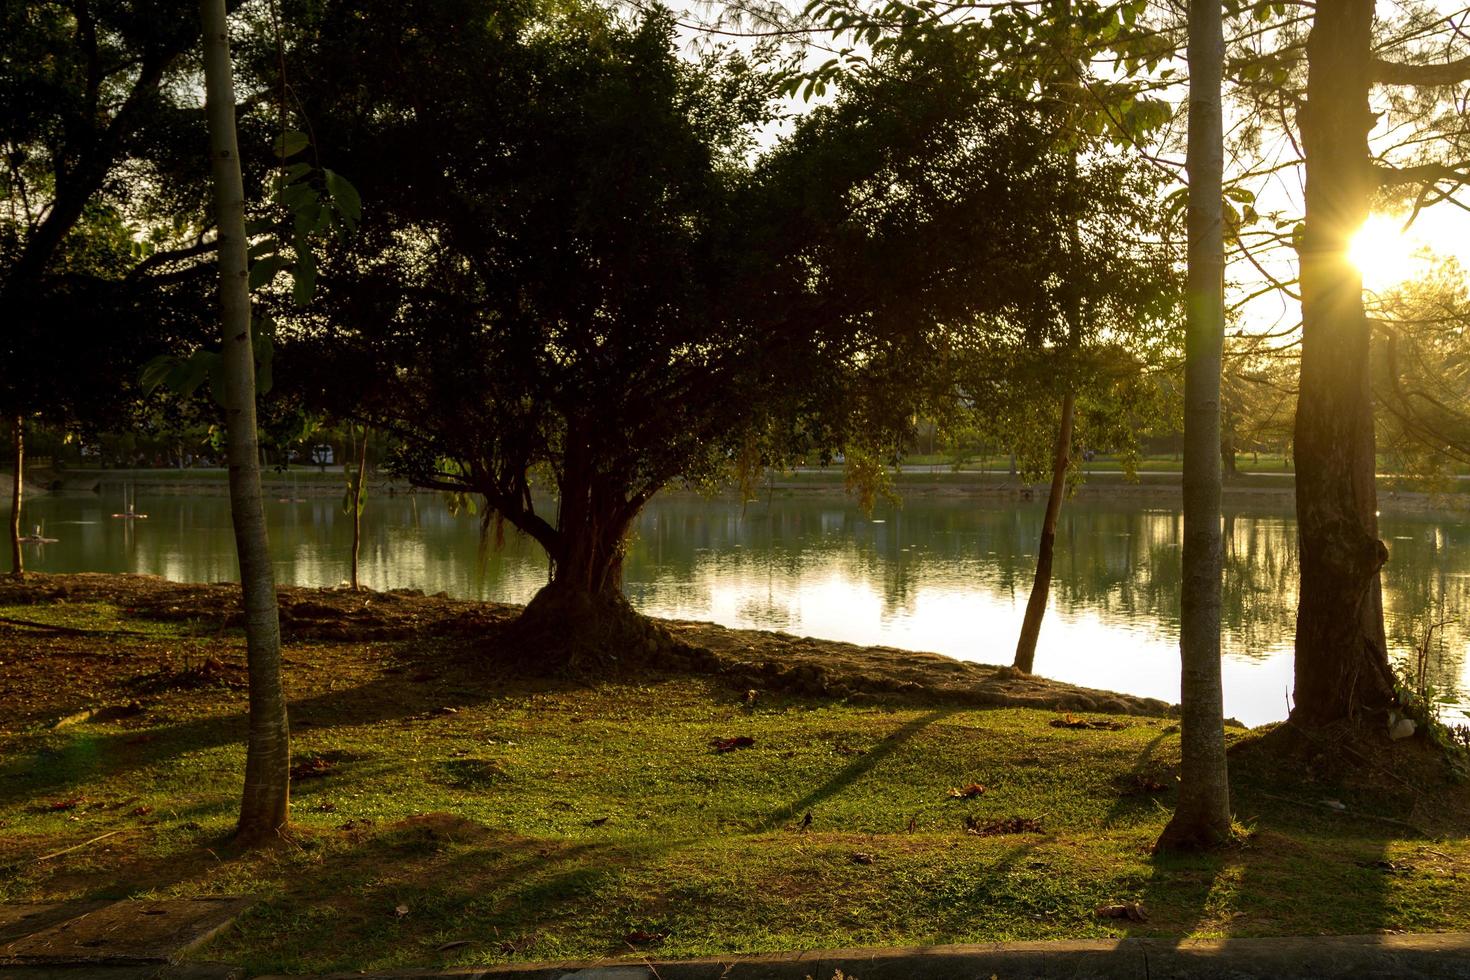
<point>949,575</point>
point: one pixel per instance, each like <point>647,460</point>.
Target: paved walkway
<point>1441,957</point>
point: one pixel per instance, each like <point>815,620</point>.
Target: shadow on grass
<point>88,755</point>
<point>854,770</point>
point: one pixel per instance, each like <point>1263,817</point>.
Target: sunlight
<point>1385,254</point>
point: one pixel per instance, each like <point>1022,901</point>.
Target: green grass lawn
<point>443,803</point>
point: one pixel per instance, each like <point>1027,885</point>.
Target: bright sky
<point>1384,251</point>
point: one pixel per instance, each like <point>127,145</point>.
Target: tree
<point>17,489</point>
<point>352,502</point>
<point>1342,667</point>
<point>1202,815</point>
<point>577,274</point>
<point>264,810</point>
<point>91,122</point>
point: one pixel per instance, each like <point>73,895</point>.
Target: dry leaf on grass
<point>731,744</point>
<point>1132,911</point>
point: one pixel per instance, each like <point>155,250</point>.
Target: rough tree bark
<point>1342,668</point>
<point>17,489</point>
<point>1202,816</point>
<point>265,803</point>
<point>581,621</point>
<point>1041,587</point>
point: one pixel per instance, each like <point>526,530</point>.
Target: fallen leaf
<point>1007,825</point>
<point>312,769</point>
<point>639,937</point>
<point>455,944</point>
<point>861,857</point>
<point>57,806</point>
<point>1132,911</point>
<point>141,811</point>
<point>400,911</point>
<point>598,821</point>
<point>731,744</point>
<point>968,792</point>
<point>1390,867</point>
<point>1070,720</point>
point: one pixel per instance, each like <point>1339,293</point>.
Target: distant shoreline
<point>913,482</point>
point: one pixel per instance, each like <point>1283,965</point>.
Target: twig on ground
<point>75,847</point>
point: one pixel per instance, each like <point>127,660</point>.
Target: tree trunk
<point>1227,454</point>
<point>17,489</point>
<point>1202,816</point>
<point>357,507</point>
<point>264,807</point>
<point>1041,587</point>
<point>1342,669</point>
<point>581,621</point>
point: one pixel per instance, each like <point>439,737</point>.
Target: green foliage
<point>582,264</point>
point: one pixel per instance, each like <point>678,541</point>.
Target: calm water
<point>946,575</point>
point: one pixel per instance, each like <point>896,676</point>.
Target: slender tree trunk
<point>357,507</point>
<point>17,489</point>
<point>264,807</point>
<point>1227,454</point>
<point>1202,816</point>
<point>1041,587</point>
<point>1342,669</point>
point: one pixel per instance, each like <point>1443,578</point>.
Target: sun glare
<point>1384,254</point>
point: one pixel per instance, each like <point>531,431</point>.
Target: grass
<point>546,821</point>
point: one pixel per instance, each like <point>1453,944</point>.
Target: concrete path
<point>1443,956</point>
<point>118,940</point>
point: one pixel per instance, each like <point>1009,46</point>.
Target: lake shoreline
<point>746,659</point>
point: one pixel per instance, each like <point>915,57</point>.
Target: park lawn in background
<point>447,813</point>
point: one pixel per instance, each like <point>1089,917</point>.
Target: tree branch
<point>1444,73</point>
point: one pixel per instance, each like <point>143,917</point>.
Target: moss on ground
<point>448,813</point>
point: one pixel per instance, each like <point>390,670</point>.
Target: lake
<point>947,574</point>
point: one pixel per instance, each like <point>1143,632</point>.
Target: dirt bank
<point>745,659</point>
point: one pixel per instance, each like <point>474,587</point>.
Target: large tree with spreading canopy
<point>577,266</point>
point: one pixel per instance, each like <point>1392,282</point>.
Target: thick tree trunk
<point>17,490</point>
<point>1041,587</point>
<point>581,622</point>
<point>1342,668</point>
<point>1202,816</point>
<point>264,807</point>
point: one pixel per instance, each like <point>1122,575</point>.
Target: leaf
<point>153,373</point>
<point>192,373</point>
<point>968,792</point>
<point>295,172</point>
<point>265,270</point>
<point>344,196</point>
<point>721,745</point>
<point>265,354</point>
<point>1132,911</point>
<point>305,273</point>
<point>290,143</point>
<point>298,198</point>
